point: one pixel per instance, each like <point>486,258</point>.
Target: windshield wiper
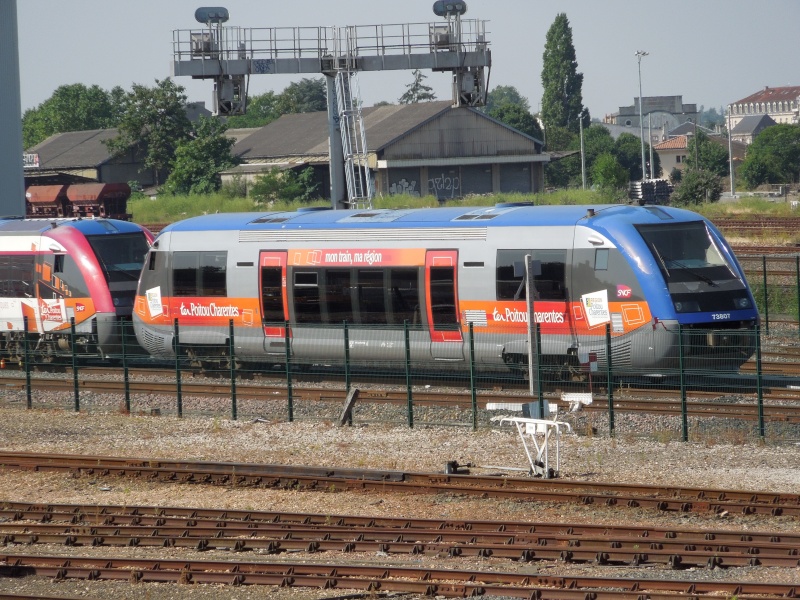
<point>691,271</point>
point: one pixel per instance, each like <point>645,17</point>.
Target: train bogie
<point>382,285</point>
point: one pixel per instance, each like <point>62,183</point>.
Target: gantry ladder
<point>360,188</point>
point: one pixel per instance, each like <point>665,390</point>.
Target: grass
<point>168,209</point>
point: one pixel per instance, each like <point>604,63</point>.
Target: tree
<point>262,109</point>
<point>774,156</point>
<point>307,95</point>
<point>562,172</point>
<point>505,94</point>
<point>154,120</point>
<point>514,115</point>
<point>628,151</point>
<point>562,100</point>
<point>72,107</point>
<point>417,91</point>
<point>610,176</point>
<point>709,155</point>
<point>275,185</point>
<point>697,186</point>
<point>198,162</point>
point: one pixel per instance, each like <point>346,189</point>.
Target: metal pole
<point>347,367</point>
<point>539,391</point>
<point>178,390</point>
<point>125,374</point>
<point>231,346</point>
<point>650,143</point>
<point>74,365</point>
<point>766,295</point>
<point>583,153</point>
<point>682,378</point>
<point>730,154</point>
<point>287,348</point>
<point>609,382</point>
<point>797,287</point>
<point>28,398</point>
<point>472,383</point>
<point>639,55</point>
<point>696,146</point>
<point>409,395</point>
<point>759,385</point>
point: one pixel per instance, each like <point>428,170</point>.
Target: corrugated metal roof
<point>74,149</point>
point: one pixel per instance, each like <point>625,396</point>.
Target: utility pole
<point>639,54</point>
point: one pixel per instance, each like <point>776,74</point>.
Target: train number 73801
<point>720,316</point>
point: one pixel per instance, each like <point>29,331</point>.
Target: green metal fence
<point>700,392</point>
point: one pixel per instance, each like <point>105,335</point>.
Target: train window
<point>120,256</point>
<point>58,263</point>
<point>306,297</point>
<point>199,274</point>
<point>338,295</point>
<point>151,265</point>
<point>404,296</point>
<point>272,294</point>
<point>549,283</point>
<point>16,276</point>
<point>601,259</point>
<point>371,297</point>
<point>443,297</point>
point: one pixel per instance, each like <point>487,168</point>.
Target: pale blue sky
<point>712,52</point>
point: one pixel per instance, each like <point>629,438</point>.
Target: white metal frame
<point>540,431</point>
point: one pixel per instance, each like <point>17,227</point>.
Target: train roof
<point>85,226</point>
<point>500,215</point>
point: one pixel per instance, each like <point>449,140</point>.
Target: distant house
<point>781,104</point>
<point>660,114</point>
<point>419,149</point>
<point>673,152</point>
<point>749,127</point>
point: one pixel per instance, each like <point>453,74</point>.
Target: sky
<point>711,52</point>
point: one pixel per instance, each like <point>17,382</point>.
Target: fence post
<point>409,393</point>
<point>231,346</point>
<point>472,383</point>
<point>288,351</point>
<point>74,365</point>
<point>178,390</point>
<point>682,379</point>
<point>539,370</point>
<point>766,295</point>
<point>27,360</point>
<point>759,385</point>
<point>797,287</point>
<point>125,375</point>
<point>609,382</point>
<point>347,366</point>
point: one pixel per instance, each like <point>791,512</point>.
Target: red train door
<point>441,300</point>
<point>274,305</point>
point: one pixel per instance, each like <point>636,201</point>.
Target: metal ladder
<point>360,187</point>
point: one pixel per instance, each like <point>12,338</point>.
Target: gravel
<point>718,461</point>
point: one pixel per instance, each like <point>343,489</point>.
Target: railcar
<point>60,271</point>
<point>637,274</point>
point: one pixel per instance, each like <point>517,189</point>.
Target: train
<point>60,271</point>
<point>660,282</point>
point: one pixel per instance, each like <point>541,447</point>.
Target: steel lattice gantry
<point>229,55</point>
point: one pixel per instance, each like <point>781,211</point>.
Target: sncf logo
<point>623,291</point>
<point>80,307</point>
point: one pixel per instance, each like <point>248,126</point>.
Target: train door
<point>274,305</point>
<point>441,300</point>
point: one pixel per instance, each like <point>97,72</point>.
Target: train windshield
<point>121,256</point>
<point>698,275</point>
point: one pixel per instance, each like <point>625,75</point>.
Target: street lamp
<point>730,154</point>
<point>639,54</point>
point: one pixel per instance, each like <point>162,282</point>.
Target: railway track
<point>780,404</point>
<point>659,498</point>
<point>278,533</point>
<point>426,581</point>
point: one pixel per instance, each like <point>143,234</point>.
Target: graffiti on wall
<point>444,186</point>
<point>404,186</point>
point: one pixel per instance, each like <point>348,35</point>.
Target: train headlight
<point>687,306</point>
<point>742,303</point>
